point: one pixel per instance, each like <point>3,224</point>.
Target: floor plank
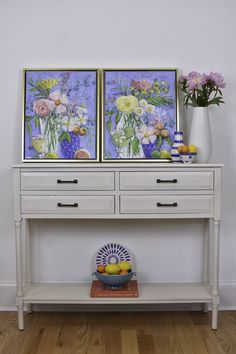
<point>118,333</point>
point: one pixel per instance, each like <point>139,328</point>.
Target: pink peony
<point>217,79</point>
<point>141,85</point>
<point>43,107</point>
<point>196,80</point>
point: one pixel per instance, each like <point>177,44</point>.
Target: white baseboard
<point>227,301</point>
<point>7,296</point>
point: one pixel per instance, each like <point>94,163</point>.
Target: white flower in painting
<point>139,111</point>
<point>69,124</point>
<point>143,103</point>
<point>82,120</point>
<point>60,101</point>
<point>146,134</point>
<point>81,111</point>
<point>150,108</point>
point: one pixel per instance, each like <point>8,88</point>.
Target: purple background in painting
<point>109,77</point>
<point>85,94</point>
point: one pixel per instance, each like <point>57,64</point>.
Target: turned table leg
<point>215,284</point>
<point>19,278</point>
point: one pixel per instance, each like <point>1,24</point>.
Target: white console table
<point>117,191</point>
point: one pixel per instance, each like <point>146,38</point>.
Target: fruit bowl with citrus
<point>187,153</point>
<point>116,275</point>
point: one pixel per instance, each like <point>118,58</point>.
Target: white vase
<point>200,133</point>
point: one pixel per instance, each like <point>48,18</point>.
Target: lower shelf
<point>149,293</point>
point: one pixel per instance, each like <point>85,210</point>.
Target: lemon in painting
<point>164,154</point>
<point>51,155</point>
<point>119,140</point>
<point>129,132</point>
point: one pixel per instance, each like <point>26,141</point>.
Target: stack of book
<point>130,289</point>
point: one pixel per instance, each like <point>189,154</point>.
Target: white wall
<point>188,34</point>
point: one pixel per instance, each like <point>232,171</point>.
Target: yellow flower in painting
<point>127,104</point>
<point>47,84</point>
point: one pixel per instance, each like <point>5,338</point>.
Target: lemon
<point>119,140</point>
<point>164,154</point>
<point>129,132</point>
<point>155,155</point>
<point>51,155</point>
<point>124,265</point>
<point>192,148</point>
<point>112,269</point>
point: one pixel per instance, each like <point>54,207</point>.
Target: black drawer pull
<point>167,205</point>
<point>74,205</point>
<point>166,180</point>
<point>74,181</point>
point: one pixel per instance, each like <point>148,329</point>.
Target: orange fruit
<point>83,131</point>
<point>123,272</point>
<point>82,154</point>
<point>165,133</point>
<point>101,268</point>
<point>180,148</point>
<point>76,130</point>
<point>159,126</point>
<point>184,149</point>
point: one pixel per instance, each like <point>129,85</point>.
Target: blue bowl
<point>188,157</point>
<point>114,281</point>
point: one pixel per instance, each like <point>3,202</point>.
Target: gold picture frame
<point>139,114</point>
<point>61,115</point>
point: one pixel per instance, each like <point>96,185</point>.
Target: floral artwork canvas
<point>60,115</point>
<point>139,114</point>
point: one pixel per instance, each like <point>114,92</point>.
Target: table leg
<point>206,236</point>
<point>19,279</point>
<point>28,226</point>
<point>215,284</point>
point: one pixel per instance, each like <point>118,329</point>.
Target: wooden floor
<point>118,333</point>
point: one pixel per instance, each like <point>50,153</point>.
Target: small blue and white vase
<point>148,149</point>
<point>178,141</point>
<point>69,148</point>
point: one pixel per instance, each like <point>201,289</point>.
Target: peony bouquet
<point>202,90</point>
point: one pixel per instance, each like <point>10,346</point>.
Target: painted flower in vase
<point>61,107</point>
<point>132,101</point>
<point>73,128</point>
<point>147,136</point>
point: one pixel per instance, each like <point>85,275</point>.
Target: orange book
<point>98,289</point>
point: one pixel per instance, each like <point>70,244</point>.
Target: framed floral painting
<point>60,115</point>
<point>139,114</point>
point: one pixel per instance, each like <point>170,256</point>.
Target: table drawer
<point>67,181</point>
<point>166,180</point>
<point>179,204</point>
<point>67,204</point>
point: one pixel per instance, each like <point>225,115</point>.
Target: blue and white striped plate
<point>112,253</point>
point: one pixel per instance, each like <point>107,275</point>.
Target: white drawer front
<point>67,181</point>
<point>68,204</point>
<point>186,204</point>
<point>166,180</point>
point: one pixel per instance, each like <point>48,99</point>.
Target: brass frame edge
<point>102,113</point>
<point>23,160</point>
